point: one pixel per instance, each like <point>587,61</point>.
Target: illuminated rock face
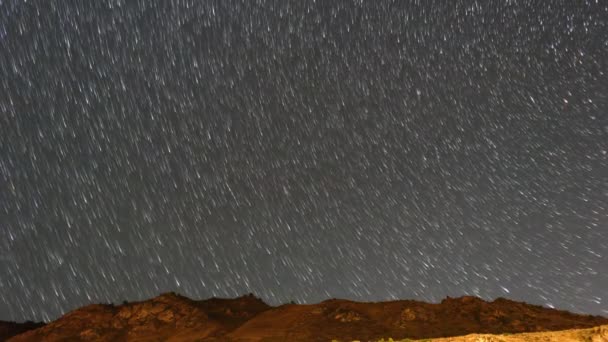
<point>247,318</point>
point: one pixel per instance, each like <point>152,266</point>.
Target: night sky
<point>303,150</point>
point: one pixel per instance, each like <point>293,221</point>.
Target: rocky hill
<point>173,317</point>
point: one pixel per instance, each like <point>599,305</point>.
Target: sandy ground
<point>597,334</point>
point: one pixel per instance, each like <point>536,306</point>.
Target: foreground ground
<point>596,334</point>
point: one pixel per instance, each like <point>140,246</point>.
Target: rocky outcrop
<point>247,318</point>
<point>163,317</point>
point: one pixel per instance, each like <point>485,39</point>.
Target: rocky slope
<point>166,317</point>
<point>173,317</point>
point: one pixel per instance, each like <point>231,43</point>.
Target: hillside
<point>174,317</point>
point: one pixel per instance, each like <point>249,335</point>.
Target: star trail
<point>303,150</point>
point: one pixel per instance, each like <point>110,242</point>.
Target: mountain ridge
<point>171,316</point>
